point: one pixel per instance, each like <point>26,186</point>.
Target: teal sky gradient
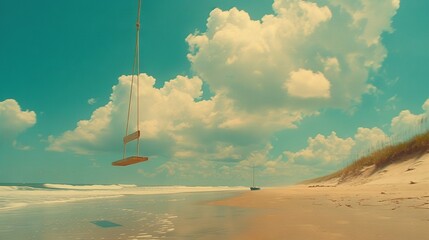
<point>56,55</point>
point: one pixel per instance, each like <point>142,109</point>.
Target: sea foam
<point>88,187</point>
<point>14,197</point>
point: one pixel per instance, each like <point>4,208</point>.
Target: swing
<point>125,161</point>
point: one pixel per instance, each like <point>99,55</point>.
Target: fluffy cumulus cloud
<point>331,149</point>
<point>369,139</point>
<point>265,74</point>
<point>14,121</point>
<point>175,123</point>
<point>407,124</point>
<point>164,112</point>
<point>323,149</point>
<point>367,16</point>
<point>306,55</point>
<point>306,84</point>
<point>92,101</point>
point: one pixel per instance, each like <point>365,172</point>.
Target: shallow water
<point>165,216</point>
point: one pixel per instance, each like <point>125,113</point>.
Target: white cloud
<point>367,16</point>
<point>175,123</point>
<point>164,112</point>
<point>300,16</point>
<point>407,124</point>
<point>89,134</point>
<point>368,139</point>
<point>307,84</point>
<point>370,136</point>
<point>19,146</point>
<point>331,65</point>
<point>332,149</point>
<point>14,121</point>
<point>249,60</point>
<point>323,150</point>
<point>425,106</point>
<point>92,101</point>
<point>323,52</point>
<point>257,158</point>
<point>325,154</point>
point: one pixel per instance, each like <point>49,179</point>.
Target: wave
<point>16,188</point>
<point>10,206</point>
<point>8,188</point>
<point>88,187</point>
<point>15,197</point>
<point>48,200</point>
<point>79,199</point>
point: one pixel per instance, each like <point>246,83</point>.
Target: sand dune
<point>410,171</point>
<point>391,203</point>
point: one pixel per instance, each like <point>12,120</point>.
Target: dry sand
<point>390,204</point>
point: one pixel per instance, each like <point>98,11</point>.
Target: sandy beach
<point>390,204</point>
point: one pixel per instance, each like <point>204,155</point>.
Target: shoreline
<point>156,216</point>
<point>18,196</point>
<point>369,211</point>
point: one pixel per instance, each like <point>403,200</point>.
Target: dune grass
<point>414,147</point>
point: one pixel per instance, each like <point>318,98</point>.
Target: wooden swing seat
<point>125,161</point>
<point>132,136</point>
<point>129,160</point>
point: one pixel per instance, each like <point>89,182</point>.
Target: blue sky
<point>296,88</point>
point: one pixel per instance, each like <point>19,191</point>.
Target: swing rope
<point>136,64</point>
<point>138,74</point>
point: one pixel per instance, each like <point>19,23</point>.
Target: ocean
<point>63,211</point>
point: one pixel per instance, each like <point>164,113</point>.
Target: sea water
<point>59,211</point>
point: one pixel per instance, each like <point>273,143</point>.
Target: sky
<point>296,89</point>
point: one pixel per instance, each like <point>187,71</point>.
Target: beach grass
<point>416,146</point>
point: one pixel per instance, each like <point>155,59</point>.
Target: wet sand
<point>133,217</point>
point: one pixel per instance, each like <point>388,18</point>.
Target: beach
<point>368,211</point>
<point>390,204</point>
<point>301,212</point>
